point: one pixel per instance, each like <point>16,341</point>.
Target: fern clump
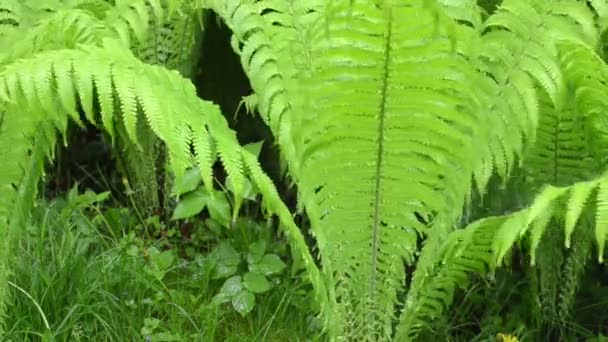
<point>392,117</point>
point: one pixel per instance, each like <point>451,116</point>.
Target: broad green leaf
<point>227,254</point>
<point>150,324</point>
<point>162,260</point>
<point>223,271</point>
<point>102,196</point>
<point>256,251</point>
<point>219,208</point>
<point>195,201</point>
<point>243,302</point>
<point>270,264</point>
<point>232,286</point>
<point>190,205</point>
<point>227,259</point>
<point>256,282</point>
<point>191,180</point>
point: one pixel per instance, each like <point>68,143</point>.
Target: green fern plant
<point>389,116</point>
<point>128,94</point>
<point>385,99</point>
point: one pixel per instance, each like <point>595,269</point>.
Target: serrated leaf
<point>256,282</point>
<point>256,251</point>
<point>509,232</point>
<point>249,191</point>
<point>576,202</point>
<point>190,205</point>
<point>268,265</point>
<point>243,302</point>
<point>601,218</point>
<point>102,196</point>
<point>544,202</point>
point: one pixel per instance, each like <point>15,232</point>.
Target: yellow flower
<point>506,338</point>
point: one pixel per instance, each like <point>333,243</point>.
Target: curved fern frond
<point>482,245</point>
<point>84,22</point>
<point>464,253</point>
<point>80,27</point>
<point>560,155</point>
<point>463,11</point>
<point>587,73</point>
<point>161,99</point>
<point>520,49</point>
<point>257,39</point>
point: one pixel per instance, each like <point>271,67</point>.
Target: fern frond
<point>587,73</point>
<point>574,266</point>
<point>170,41</point>
<point>576,203</point>
<point>21,170</point>
<point>80,27</point>
<point>464,253</point>
<point>520,47</point>
<point>560,154</point>
<point>87,22</point>
<point>162,99</point>
<point>270,72</point>
<point>464,11</point>
<point>482,245</point>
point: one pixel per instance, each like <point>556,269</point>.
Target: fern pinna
<point>388,114</point>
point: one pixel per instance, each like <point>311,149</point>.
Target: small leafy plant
<point>243,258</point>
<point>242,284</point>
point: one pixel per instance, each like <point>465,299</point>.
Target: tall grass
<point>82,274</point>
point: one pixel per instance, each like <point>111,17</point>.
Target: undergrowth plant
<point>393,119</point>
<point>70,285</point>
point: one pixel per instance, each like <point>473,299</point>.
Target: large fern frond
<point>464,253</point>
<point>66,25</point>
<point>47,86</point>
<point>482,245</point>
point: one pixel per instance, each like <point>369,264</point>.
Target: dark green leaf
<point>256,251</point>
<point>227,260</point>
<point>227,254</point>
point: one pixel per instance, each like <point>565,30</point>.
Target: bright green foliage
<point>389,115</point>
<point>50,87</point>
<point>410,135</point>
